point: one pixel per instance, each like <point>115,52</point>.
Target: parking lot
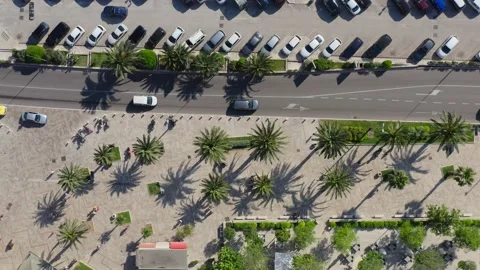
<point>306,21</point>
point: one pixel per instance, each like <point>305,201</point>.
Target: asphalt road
<point>399,95</point>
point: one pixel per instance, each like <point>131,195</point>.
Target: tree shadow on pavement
<point>191,87</point>
<point>304,202</point>
<point>238,86</point>
<point>323,250</point>
<point>98,94</point>
<point>50,209</point>
<point>177,186</point>
<point>355,168</point>
<point>409,161</point>
<point>85,189</point>
<point>413,207</point>
<point>154,83</point>
<point>192,211</point>
<point>284,177</point>
<point>105,236</point>
<point>125,178</point>
<point>211,248</point>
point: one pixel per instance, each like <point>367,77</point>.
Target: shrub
<point>467,237</point>
<point>387,64</point>
<point>267,225</point>
<point>323,64</point>
<point>368,65</point>
<point>356,134</point>
<point>348,65</point>
<point>20,55</point>
<point>239,144</point>
<point>343,237</point>
<point>239,65</point>
<point>332,224</point>
<point>282,235</point>
<point>35,54</point>
<point>54,57</point>
<point>250,230</point>
<point>284,225</point>
<point>467,265</point>
<point>304,234</point>
<point>412,236</point>
<point>184,232</point>
<point>467,222</point>
<point>146,59</point>
<point>229,233</point>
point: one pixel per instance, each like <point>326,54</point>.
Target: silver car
<point>37,118</point>
<point>270,45</point>
<point>252,43</point>
<point>245,104</point>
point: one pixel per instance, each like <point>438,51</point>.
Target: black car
<point>155,38</point>
<point>115,11</point>
<point>262,3</point>
<point>378,47</point>
<point>137,35</point>
<point>403,6</point>
<point>40,31</point>
<point>252,44</point>
<point>352,48</point>
<point>364,4</point>
<point>423,50</point>
<point>58,33</point>
<point>332,7</point>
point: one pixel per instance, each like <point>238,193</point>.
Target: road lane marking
<point>381,99</point>
<point>395,100</point>
<point>432,93</point>
<point>367,99</point>
<point>437,102</point>
<point>408,100</point>
<point>353,98</point>
<point>452,103</point>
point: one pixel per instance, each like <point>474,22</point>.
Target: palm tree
<point>215,188</point>
<point>267,142</point>
<point>176,58</point>
<point>338,181</point>
<point>212,145</point>
<point>103,155</point>
<point>72,178</point>
<point>262,185</point>
<point>71,232</point>
<point>121,58</point>
<point>331,139</point>
<point>148,149</point>
<point>464,176</point>
<point>451,130</point>
<point>396,179</point>
<point>208,64</point>
<point>258,65</point>
<point>393,136</point>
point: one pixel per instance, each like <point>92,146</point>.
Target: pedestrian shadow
<point>177,186</point>
<point>192,211</point>
<point>106,236</point>
<point>125,178</point>
<point>191,87</point>
<point>98,94</point>
<point>408,160</point>
<point>50,209</point>
<point>304,202</point>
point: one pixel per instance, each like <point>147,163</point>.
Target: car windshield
<point>309,48</point>
<point>37,118</point>
<point>114,35</point>
<point>250,104</point>
<point>228,43</point>
<point>70,38</point>
<point>289,47</point>
<point>446,49</point>
<point>355,8</point>
<point>172,39</point>
<point>92,37</point>
<point>268,47</point>
<point>329,50</point>
<point>149,100</point>
<point>121,28</point>
<point>210,44</point>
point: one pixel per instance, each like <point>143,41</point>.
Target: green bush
<point>467,265</point>
<point>35,54</point>
<point>368,65</point>
<point>250,230</point>
<point>146,59</point>
<point>304,234</point>
<point>239,65</point>
<point>54,57</point>
<point>332,224</point>
<point>387,64</point>
<point>284,225</point>
<point>229,233</point>
<point>267,225</point>
<point>323,64</point>
<point>348,65</point>
<point>239,144</point>
<point>282,235</point>
<point>356,134</point>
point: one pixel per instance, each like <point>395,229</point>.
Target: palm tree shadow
<point>154,82</point>
<point>85,189</point>
<point>413,207</point>
<point>323,251</point>
<point>238,86</point>
<point>303,203</point>
<point>177,186</point>
<point>356,169</point>
<point>125,178</point>
<point>409,161</point>
<point>50,209</point>
<point>98,94</point>
<point>191,87</point>
<point>192,211</point>
<point>283,179</point>
<point>231,174</point>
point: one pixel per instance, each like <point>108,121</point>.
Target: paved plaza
<point>29,154</point>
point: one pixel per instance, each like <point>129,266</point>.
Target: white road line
<point>437,102</point>
<point>423,102</point>
<point>381,99</point>
<point>408,100</point>
<point>353,98</point>
<point>367,99</point>
<point>339,98</point>
<point>396,100</point>
<point>465,103</point>
<point>452,103</point>
<point>324,97</point>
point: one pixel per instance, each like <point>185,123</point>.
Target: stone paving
<point>28,155</point>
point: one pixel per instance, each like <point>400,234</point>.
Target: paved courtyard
<point>29,154</point>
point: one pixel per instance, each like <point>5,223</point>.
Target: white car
<point>145,101</point>
<point>312,46</point>
<point>475,4</point>
<point>221,2</point>
<point>96,35</point>
<point>477,56</point>
<point>331,48</point>
<point>231,42</point>
<point>174,37</point>
<point>352,6</point>
<point>291,45</point>
<point>447,46</point>
<point>117,34</point>
<point>33,117</point>
<point>75,35</point>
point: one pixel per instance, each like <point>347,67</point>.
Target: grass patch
<point>116,154</point>
<point>82,60</point>
<point>385,173</point>
<point>97,59</point>
<point>123,218</point>
<point>447,171</point>
<point>83,266</point>
<point>154,188</point>
<point>279,65</point>
<point>240,142</point>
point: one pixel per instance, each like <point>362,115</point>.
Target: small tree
<point>121,58</point>
<point>467,237</point>
<point>412,236</point>
<point>304,234</point>
<point>228,259</point>
<point>103,155</point>
<point>229,233</point>
<point>306,262</point>
<point>184,232</point>
<point>464,176</point>
<point>71,232</point>
<point>262,186</point>
<point>396,179</point>
<point>267,142</point>
<point>451,131</point>
<point>282,235</point>
<point>387,64</point>
<point>35,54</point>
<point>343,238</point>
<point>394,136</point>
<point>147,232</point>
<point>441,220</point>
<point>212,145</point>
<point>467,265</point>
<point>331,138</point>
<point>148,149</point>
<point>338,181</point>
<point>429,259</point>
<point>255,255</point>
<point>371,261</point>
<point>215,188</point>
<point>72,178</point>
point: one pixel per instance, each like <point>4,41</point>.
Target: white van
<point>194,40</point>
<point>145,101</point>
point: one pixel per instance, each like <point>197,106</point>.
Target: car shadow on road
<point>104,2</point>
<point>98,94</point>
<point>323,13</point>
<point>138,2</point>
<point>180,6</point>
<point>84,3</point>
<point>469,12</point>
<point>394,12</point>
<point>52,2</point>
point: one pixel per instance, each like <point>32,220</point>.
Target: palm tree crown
<point>121,58</point>
<point>464,176</point>
<point>175,58</point>
<point>451,130</point>
<point>396,179</point>
<point>72,178</point>
<point>262,185</point>
<point>71,232</point>
<point>207,64</point>
<point>215,188</point>
<point>394,135</point>
<point>331,139</point>
<point>212,145</point>
<point>148,149</point>
<point>259,65</point>
<point>103,155</point>
<point>338,181</point>
<point>267,142</point>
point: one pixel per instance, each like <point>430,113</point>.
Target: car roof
<point>99,29</point>
<point>451,41</point>
<point>158,32</point>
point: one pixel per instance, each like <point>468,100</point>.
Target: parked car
<point>439,5</point>
<point>422,5</point>
<point>423,50</point>
<point>364,4</point>
<point>312,46</point>
<point>3,110</point>
<point>145,101</point>
<point>33,117</point>
<point>352,48</point>
<point>475,4</point>
<point>403,6</point>
<point>96,35</point>
<point>458,4</point>
<point>332,7</point>
<point>74,36</point>
<point>378,46</point>
<point>221,2</point>
<point>245,104</point>
<point>291,45</point>
<point>231,42</point>
<point>331,48</point>
<point>263,4</point>
<point>117,34</point>
<point>155,38</point>
<point>214,41</point>
<point>174,37</point>
<point>270,45</point>
<point>40,31</point>
<point>115,11</point>
<point>279,2</point>
<point>448,45</point>
<point>193,41</point>
<point>252,44</point>
<point>57,34</point>
<point>137,35</point>
<point>352,6</point>
<point>477,56</point>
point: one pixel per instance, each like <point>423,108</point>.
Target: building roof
<point>33,262</point>
<point>283,261</point>
<point>161,258</point>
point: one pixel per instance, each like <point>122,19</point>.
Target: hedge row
<point>240,226</point>
<point>240,142</point>
<point>393,224</point>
